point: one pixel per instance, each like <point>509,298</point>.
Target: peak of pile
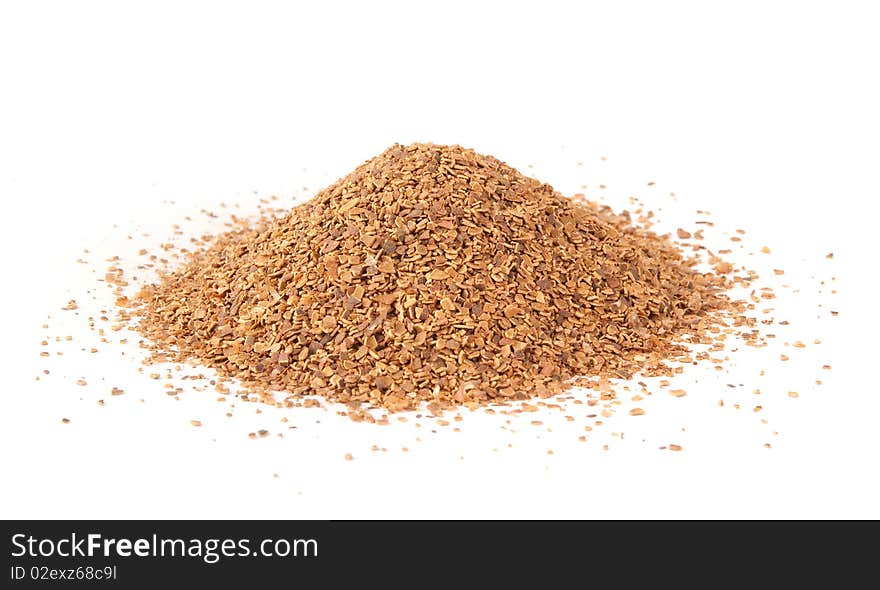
<point>433,274</point>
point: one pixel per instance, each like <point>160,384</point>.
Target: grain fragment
<point>438,275</point>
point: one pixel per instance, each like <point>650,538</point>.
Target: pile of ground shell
<point>431,274</point>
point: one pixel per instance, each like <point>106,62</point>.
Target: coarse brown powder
<point>433,274</point>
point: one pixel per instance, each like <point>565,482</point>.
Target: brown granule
<point>195,422</point>
<point>432,274</point>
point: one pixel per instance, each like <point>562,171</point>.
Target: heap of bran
<point>432,274</point>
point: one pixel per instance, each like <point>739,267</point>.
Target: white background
<point>764,113</point>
